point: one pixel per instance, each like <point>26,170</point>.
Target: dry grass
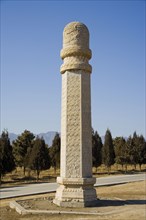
<point>17,177</point>
<point>119,202</point>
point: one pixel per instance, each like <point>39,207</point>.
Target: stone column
<point>76,181</point>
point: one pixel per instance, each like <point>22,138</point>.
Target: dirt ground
<point>119,202</point>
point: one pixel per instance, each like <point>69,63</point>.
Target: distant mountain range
<point>48,137</point>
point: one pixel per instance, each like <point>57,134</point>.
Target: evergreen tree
<point>119,147</point>
<point>54,152</point>
<point>144,153</point>
<point>96,149</point>
<point>7,163</point>
<point>108,150</point>
<point>134,150</point>
<point>38,159</point>
<point>141,151</point>
<point>128,151</point>
<point>137,152</point>
<point>20,148</point>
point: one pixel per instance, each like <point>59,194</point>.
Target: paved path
<point>111,180</point>
<point>38,188</point>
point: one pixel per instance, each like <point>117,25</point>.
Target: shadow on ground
<point>105,203</point>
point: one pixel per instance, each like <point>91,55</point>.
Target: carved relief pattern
<point>76,33</point>
<point>76,52</point>
<point>86,126</point>
<point>73,125</point>
<point>63,124</point>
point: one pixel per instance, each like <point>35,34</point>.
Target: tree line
<point>118,150</point>
<point>28,151</point>
<point>32,152</point>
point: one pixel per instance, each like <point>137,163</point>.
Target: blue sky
<point>31,40</point>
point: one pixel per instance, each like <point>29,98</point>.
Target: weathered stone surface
<point>76,52</point>
<point>76,182</point>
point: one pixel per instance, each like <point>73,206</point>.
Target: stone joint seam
<point>77,66</point>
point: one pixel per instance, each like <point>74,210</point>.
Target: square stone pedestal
<point>75,192</point>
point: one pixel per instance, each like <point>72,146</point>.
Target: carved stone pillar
<point>76,181</point>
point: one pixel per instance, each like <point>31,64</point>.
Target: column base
<point>75,192</point>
